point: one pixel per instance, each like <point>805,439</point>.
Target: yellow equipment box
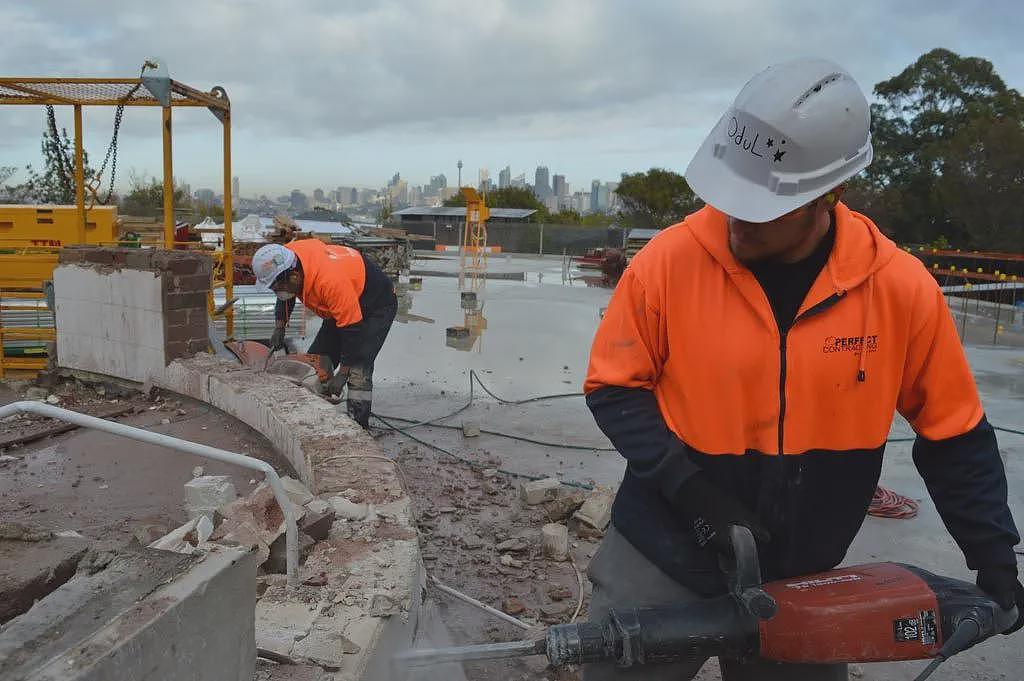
<point>55,226</point>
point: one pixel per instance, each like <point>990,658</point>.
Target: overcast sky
<point>347,92</point>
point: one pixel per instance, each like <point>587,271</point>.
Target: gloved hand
<point>336,383</point>
<point>712,510</point>
<point>1001,583</point>
<point>277,339</point>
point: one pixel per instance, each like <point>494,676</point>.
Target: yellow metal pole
<point>168,182</point>
<point>229,261</point>
<point>79,174</point>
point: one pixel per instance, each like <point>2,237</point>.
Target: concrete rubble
<point>596,511</point>
<point>533,492</point>
<point>555,541</point>
<point>206,493</point>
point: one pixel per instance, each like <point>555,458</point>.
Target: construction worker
<point>750,363</point>
<point>353,296</point>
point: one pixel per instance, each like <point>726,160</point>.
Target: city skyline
<point>603,87</point>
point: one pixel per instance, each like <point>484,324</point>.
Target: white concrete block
<point>279,625</point>
<point>347,509</point>
<point>534,492</point>
<point>71,282</point>
<point>555,541</point>
<point>596,511</point>
<point>207,493</point>
<point>136,288</point>
<point>296,491</point>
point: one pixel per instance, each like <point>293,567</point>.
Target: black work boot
<point>359,410</point>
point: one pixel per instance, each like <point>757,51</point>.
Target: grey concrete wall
<point>198,627</point>
<point>127,312</point>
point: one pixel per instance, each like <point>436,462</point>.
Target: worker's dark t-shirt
<point>786,284</point>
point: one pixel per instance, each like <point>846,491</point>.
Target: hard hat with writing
<point>795,131</point>
<point>270,261</point>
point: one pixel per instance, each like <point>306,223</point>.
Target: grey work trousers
<point>624,578</point>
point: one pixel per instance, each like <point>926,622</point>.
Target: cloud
<point>570,75</point>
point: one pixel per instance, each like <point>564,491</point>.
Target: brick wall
<point>127,311</point>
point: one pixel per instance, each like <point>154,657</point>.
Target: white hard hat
<point>795,131</point>
<point>270,261</point>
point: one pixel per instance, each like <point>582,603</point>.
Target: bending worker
<point>353,296</point>
<point>750,363</point>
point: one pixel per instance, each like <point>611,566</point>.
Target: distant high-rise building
<point>395,179</point>
<point>519,181</point>
<point>347,196</point>
<point>206,196</point>
<point>559,188</point>
<point>614,203</point>
<point>318,195</point>
<point>400,193</point>
<point>541,185</point>
<point>437,183</point>
<point>505,177</point>
<point>595,190</point>
<point>298,201</point>
<point>234,187</point>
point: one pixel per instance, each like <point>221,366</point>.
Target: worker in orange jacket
<point>355,299</point>
<point>750,363</point>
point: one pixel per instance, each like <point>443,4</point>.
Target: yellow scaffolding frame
<point>473,251</point>
<point>153,89</point>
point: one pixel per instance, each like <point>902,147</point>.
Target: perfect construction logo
<point>849,344</point>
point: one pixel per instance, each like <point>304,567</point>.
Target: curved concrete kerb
<point>362,585</point>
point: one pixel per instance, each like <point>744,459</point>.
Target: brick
<point>182,263</point>
<point>175,350</point>
<point>99,256</point>
<point>186,332</point>
<point>118,256</point>
<point>139,258</point>
<point>181,301</point>
<point>178,317</point>
<point>70,256</point>
<point>190,283</point>
<point>197,345</point>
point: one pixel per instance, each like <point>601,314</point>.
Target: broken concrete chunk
<point>36,393</point>
<point>555,541</point>
<point>564,506</point>
<point>596,511</point>
<point>147,533</point>
<point>52,399</point>
<point>177,540</point>
<point>534,492</point>
<point>197,471</point>
<point>514,545</point>
<point>7,458</point>
<point>255,520</point>
<point>508,561</point>
<point>296,491</point>
<point>318,506</point>
<point>205,494</point>
<point>470,429</point>
<point>277,561</point>
<point>317,525</point>
<point>347,509</point>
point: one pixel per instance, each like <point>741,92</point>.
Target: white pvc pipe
<point>159,439</point>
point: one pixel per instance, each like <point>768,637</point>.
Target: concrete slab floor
<point>550,327</point>
<point>105,487</point>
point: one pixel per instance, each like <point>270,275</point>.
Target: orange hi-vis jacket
<point>794,425</point>
<point>333,280</point>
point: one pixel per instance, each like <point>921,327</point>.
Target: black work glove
<point>277,339</point>
<point>1001,583</point>
<point>336,383</point>
<point>711,510</point>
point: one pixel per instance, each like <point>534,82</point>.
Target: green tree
<point>921,112</point>
<point>56,182</point>
<point>655,199</point>
<point>145,198</point>
<point>508,197</point>
<point>982,184</point>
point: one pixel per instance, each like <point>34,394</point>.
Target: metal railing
<point>159,439</point>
